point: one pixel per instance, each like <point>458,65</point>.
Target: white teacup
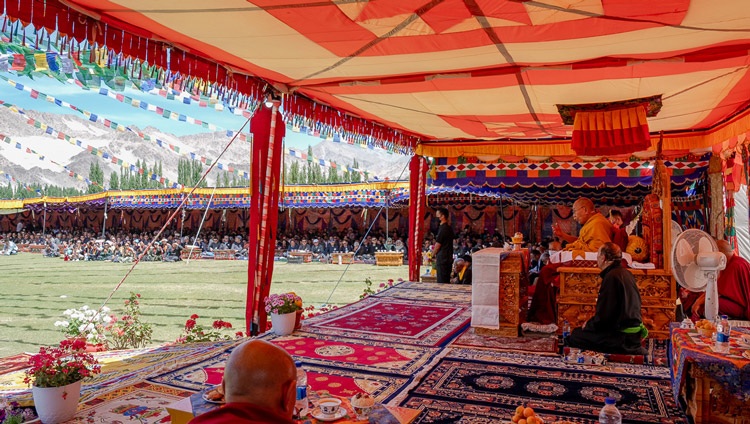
<point>329,405</point>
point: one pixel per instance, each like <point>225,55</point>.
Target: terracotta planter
<point>283,324</point>
<point>56,404</point>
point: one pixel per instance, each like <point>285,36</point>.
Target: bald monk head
<point>263,374</point>
<point>583,209</point>
<point>726,248</point>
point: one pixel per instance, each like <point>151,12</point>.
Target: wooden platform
<point>224,255</point>
<point>192,254</point>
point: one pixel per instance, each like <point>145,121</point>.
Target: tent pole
<point>44,220</point>
<point>104,221</point>
<point>502,220</point>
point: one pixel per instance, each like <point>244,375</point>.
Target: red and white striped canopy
<point>472,69</point>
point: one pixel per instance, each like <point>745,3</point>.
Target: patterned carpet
<point>485,387</point>
<point>537,345</point>
<point>14,363</point>
<point>361,355</point>
<point>455,296</point>
<point>122,368</point>
<point>422,323</point>
<point>142,403</point>
<point>337,381</point>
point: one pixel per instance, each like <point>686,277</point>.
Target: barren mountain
<point>34,155</point>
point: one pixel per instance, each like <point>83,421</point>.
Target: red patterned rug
<point>416,322</point>
<point>391,358</point>
<point>541,346</point>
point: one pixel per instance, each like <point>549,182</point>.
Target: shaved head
<point>261,373</point>
<point>726,248</point>
<point>583,209</point>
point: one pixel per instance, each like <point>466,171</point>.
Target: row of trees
<point>312,173</point>
<point>189,172</point>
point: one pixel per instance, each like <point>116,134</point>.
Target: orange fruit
<point>528,412</point>
<point>532,420</point>
<point>516,418</point>
<point>519,410</point>
<point>522,421</point>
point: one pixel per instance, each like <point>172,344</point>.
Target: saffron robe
<point>596,231</point>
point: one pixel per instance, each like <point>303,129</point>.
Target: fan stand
<point>712,296</point>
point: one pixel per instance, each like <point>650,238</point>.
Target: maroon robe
<point>734,289</point>
<point>240,413</point>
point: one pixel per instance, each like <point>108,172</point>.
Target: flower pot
<point>56,404</point>
<point>283,324</point>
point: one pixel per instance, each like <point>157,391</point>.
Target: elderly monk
<point>260,382</point>
<point>733,286</point>
<point>616,327</point>
<point>595,231</point>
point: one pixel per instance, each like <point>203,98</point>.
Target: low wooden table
<point>191,252</point>
<point>389,258</point>
<point>342,258</point>
<point>181,412</point>
<point>428,278</point>
<point>224,255</point>
<point>306,256</point>
<point>37,248</point>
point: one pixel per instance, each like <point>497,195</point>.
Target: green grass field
<point>34,291</point>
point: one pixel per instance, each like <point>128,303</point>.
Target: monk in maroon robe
<point>733,286</point>
<point>260,382</point>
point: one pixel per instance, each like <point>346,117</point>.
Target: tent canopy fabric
<point>457,70</point>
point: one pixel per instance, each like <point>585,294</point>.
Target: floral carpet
<point>142,403</point>
<point>423,323</point>
<point>537,345</point>
<point>484,387</point>
<point>455,296</point>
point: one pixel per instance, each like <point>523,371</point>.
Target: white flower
<point>85,307</point>
<point>107,318</point>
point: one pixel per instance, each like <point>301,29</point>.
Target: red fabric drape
<point>266,164</point>
<point>417,205</point>
<point>609,132</point>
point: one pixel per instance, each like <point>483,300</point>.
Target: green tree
<point>114,181</point>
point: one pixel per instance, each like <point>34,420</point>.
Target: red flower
<point>218,324</point>
<point>190,324</point>
<point>239,334</point>
<point>194,316</point>
<point>227,324</point>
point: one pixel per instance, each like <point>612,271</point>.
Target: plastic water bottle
<point>609,414</point>
<point>565,332</point>
<point>722,335</point>
<point>301,406</point>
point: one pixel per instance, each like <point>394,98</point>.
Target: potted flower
<point>283,310</point>
<point>55,374</point>
<point>196,333</point>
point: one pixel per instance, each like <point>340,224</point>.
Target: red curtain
<point>264,206</point>
<point>417,205</point>
<point>611,132</point>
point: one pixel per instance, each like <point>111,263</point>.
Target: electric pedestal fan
<point>696,262</point>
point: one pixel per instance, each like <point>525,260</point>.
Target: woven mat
<point>535,345</point>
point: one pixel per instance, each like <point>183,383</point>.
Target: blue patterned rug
<point>470,386</point>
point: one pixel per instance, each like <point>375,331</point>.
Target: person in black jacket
<point>443,249</point>
<point>616,327</point>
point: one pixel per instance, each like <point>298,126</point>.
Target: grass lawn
<point>34,291</point>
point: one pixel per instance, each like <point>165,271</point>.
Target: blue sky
<point>125,114</point>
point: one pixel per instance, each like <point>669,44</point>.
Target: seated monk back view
<point>595,231</point>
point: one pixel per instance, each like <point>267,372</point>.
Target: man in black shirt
<point>616,327</point>
<point>443,250</point>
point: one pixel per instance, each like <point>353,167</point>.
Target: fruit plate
<point>205,396</point>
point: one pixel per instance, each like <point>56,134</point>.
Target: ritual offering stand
<point>342,258</point>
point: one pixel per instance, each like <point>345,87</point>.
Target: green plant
<point>128,331</point>
<point>284,303</point>
<point>195,332</point>
<point>13,413</point>
<point>370,291</point>
<point>61,365</point>
<point>85,322</point>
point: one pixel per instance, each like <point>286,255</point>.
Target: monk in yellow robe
<point>595,231</point>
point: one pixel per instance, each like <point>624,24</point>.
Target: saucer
<point>204,395</point>
<point>318,415</point>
